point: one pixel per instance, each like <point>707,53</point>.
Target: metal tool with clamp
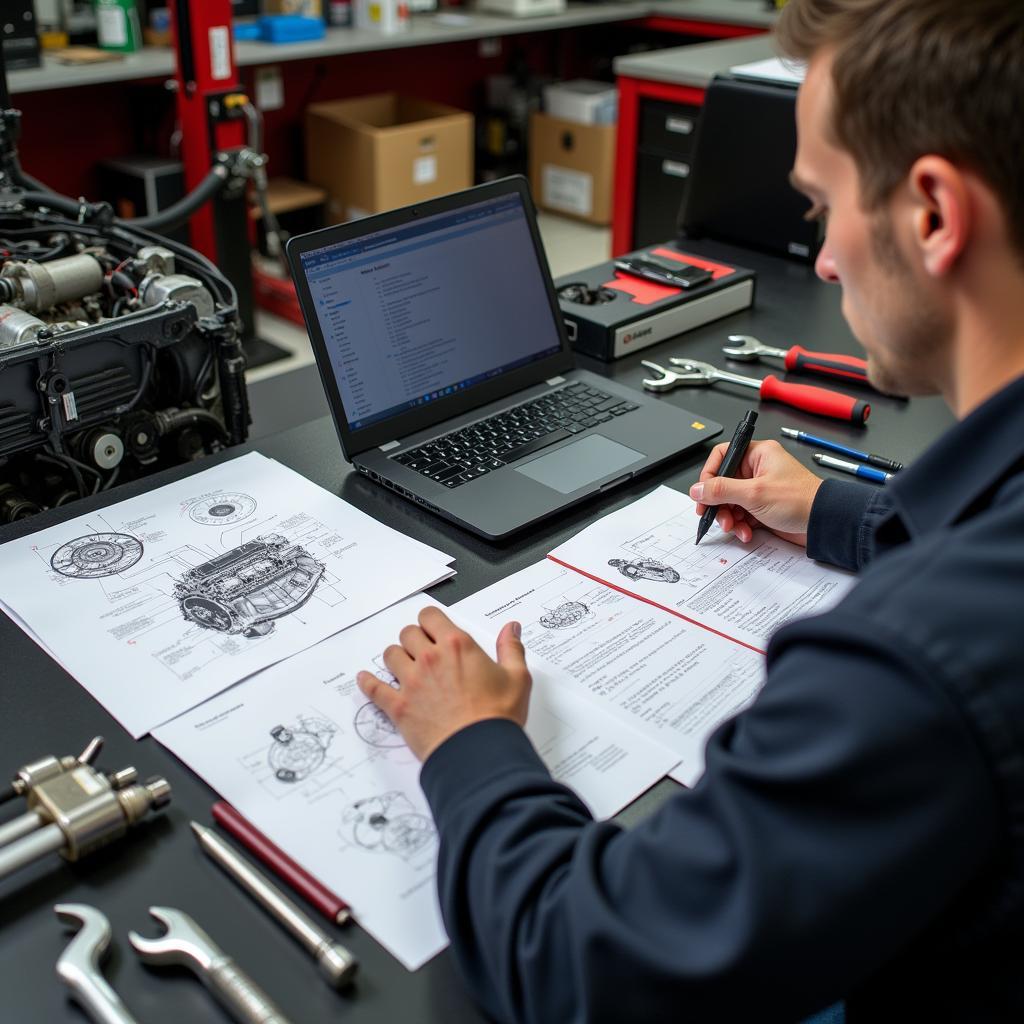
<point>79,965</point>
<point>187,945</point>
<point>73,808</point>
<point>746,349</point>
<point>693,373</point>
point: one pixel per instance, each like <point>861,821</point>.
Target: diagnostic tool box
<point>610,313</point>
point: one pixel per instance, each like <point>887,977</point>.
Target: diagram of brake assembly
<point>298,751</point>
<point>244,590</point>
<point>388,824</point>
<point>568,613</point>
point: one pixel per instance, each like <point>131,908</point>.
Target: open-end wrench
<point>79,965</point>
<point>694,373</point>
<point>187,945</point>
<point>745,349</point>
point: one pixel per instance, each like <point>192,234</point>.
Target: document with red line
<point>742,592</point>
<point>673,667</point>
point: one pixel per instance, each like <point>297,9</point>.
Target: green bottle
<point>117,25</point>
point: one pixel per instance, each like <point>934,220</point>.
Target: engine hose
<point>179,212</point>
<point>177,419</point>
<point>78,210</point>
<point>233,394</point>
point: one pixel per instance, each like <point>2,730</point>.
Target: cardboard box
<point>307,8</point>
<point>376,153</point>
<point>572,167</point>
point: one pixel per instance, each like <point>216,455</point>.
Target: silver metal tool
<point>47,768</point>
<point>187,945</point>
<point>74,809</point>
<point>336,963</point>
<point>79,965</point>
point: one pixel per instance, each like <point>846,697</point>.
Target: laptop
<point>448,372</point>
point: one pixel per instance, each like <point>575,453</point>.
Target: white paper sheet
<point>741,591</point>
<point>158,602</point>
<point>307,759</point>
<point>669,679</point>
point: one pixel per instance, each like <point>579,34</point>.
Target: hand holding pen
<point>730,465</point>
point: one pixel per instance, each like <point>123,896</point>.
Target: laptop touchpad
<point>580,463</point>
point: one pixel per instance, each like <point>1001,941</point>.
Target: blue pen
<point>854,469</point>
<point>834,446</point>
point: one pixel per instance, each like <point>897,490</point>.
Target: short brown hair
<point>913,77</point>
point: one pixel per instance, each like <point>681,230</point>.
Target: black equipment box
<point>18,34</point>
<point>609,313</point>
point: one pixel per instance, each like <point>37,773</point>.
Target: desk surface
<point>694,65</point>
<point>424,30</point>
<point>44,711</point>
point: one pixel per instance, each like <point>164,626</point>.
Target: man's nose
<point>825,266</point>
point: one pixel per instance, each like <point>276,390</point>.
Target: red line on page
<point>664,608</point>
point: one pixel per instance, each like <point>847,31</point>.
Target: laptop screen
<point>424,310</point>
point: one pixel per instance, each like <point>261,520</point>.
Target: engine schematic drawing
<point>375,728</point>
<point>569,613</point>
<point>298,751</point>
<point>645,569</point>
<point>389,824</point>
<point>222,509</point>
<point>96,555</point>
<point>247,588</point>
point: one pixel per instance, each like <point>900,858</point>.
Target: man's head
<point>912,144</point>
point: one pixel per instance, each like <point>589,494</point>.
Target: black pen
<point>889,465</point>
<point>730,465</point>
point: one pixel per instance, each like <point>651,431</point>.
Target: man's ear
<point>942,215</point>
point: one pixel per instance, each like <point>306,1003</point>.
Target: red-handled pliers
<point>800,396</point>
<point>746,349</point>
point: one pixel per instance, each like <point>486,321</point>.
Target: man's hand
<point>448,682</point>
<point>771,489</point>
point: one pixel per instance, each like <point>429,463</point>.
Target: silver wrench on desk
<point>79,965</point>
<point>186,944</point>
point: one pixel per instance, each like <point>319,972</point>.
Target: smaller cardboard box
<point>572,167</point>
<point>376,153</point>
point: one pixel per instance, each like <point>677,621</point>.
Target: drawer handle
<point>675,168</point>
<point>679,125</point>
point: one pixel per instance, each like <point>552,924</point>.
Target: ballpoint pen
<point>730,465</point>
<point>853,468</point>
<point>889,465</point>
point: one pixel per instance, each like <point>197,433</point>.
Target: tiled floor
<point>288,392</point>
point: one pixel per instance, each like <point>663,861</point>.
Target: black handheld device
<point>682,275</point>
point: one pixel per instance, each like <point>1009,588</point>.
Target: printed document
<point>156,603</point>
<point>740,591</point>
<point>667,635</point>
<point>317,767</point>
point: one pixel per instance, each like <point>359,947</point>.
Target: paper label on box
<point>571,191</point>
<point>112,26</point>
<point>424,170</point>
<point>220,52</point>
<point>269,88</point>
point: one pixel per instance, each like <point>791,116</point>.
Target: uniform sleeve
<point>843,519</point>
<point>832,825</point>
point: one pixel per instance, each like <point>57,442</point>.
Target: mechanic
<point>859,832</point>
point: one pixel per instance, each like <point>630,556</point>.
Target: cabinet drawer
<point>660,183</point>
<point>667,127</point>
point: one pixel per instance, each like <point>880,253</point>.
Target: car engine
<point>119,355</point>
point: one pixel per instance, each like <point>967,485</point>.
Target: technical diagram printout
<point>742,591</point>
<point>669,679</point>
<point>156,603</point>
<point>310,762</point>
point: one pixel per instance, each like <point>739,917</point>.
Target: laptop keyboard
<point>463,455</point>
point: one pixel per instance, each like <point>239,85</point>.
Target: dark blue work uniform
<point>859,832</point>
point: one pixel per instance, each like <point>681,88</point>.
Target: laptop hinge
<point>555,380</point>
<point>391,444</point>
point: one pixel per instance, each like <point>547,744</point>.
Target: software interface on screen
<point>421,311</point>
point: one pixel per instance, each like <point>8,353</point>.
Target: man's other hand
<point>771,489</point>
<point>447,681</point>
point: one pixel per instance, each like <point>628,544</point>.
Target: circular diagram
<point>207,613</point>
<point>96,555</point>
<point>221,509</point>
<point>375,728</point>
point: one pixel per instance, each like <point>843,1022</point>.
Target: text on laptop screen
<point>423,310</point>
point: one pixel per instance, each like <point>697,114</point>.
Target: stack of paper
<point>161,601</point>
